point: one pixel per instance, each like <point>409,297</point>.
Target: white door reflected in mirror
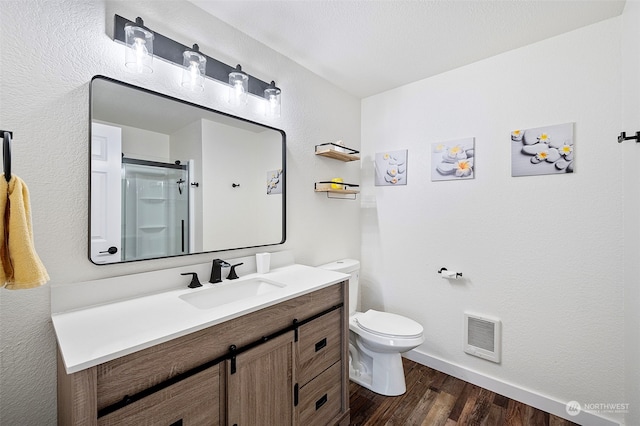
<point>106,142</point>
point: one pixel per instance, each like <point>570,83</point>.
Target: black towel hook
<point>6,153</point>
<point>623,137</point>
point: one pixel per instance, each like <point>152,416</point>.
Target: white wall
<point>61,45</point>
<point>248,216</point>
<point>631,154</point>
<point>544,254</point>
<point>138,143</point>
<point>144,144</point>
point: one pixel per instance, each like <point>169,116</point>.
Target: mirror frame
<point>182,101</point>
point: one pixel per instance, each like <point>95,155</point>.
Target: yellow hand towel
<point>20,264</point>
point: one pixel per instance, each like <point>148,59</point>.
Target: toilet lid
<point>389,325</point>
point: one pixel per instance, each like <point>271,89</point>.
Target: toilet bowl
<point>376,339</point>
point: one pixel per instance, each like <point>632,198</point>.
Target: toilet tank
<point>351,267</point>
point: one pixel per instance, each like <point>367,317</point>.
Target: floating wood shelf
<point>342,188</point>
<point>337,152</point>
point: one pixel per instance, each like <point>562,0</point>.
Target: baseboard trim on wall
<point>525,396</point>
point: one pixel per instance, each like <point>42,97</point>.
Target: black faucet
<point>216,270</point>
<point>195,282</point>
<point>232,272</point>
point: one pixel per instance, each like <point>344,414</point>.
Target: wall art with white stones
<point>391,168</point>
<point>542,150</point>
<point>453,160</point>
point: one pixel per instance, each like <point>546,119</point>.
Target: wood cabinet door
<point>260,385</point>
<point>194,401</point>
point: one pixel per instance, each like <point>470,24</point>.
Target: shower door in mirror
<point>155,209</point>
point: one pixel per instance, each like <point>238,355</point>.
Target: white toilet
<point>376,339</point>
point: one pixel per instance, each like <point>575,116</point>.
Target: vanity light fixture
<point>195,65</point>
<point>139,52</point>
<point>239,86</point>
<point>272,104</point>
<point>152,43</point>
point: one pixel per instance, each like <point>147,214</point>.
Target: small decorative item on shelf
<point>337,151</point>
<point>338,183</point>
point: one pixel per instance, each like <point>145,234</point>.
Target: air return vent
<point>482,337</point>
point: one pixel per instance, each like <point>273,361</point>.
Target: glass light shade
<point>272,101</point>
<point>195,65</point>
<point>139,51</point>
<point>239,86</point>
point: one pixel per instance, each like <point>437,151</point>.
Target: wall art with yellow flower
<point>453,160</point>
<point>542,151</point>
<point>391,168</point>
<point>274,182</point>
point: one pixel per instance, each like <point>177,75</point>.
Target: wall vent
<point>482,337</point>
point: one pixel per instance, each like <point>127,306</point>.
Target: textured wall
<point>544,253</point>
<point>49,52</point>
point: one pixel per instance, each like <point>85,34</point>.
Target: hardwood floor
<point>434,398</point>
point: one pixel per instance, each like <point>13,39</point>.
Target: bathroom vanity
<point>278,358</point>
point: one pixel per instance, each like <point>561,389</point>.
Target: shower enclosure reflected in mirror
<point>171,178</point>
<point>155,209</point>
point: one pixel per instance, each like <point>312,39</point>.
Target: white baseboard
<point>511,391</point>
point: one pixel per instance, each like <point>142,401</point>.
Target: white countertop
<point>97,334</point>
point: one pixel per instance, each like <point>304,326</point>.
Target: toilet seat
<point>388,325</point>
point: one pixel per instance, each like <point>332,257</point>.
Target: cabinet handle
<point>296,395</point>
<point>321,402</point>
<point>321,344</point>
<point>295,329</point>
<point>233,349</point>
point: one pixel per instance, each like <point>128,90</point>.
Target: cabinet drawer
<point>194,401</point>
<point>319,345</point>
<point>320,399</point>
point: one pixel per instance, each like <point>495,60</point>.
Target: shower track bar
<point>153,163</point>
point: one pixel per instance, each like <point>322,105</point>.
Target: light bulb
<point>141,53</point>
<point>273,103</point>
<point>194,72</point>
<point>238,88</point>
<point>194,75</point>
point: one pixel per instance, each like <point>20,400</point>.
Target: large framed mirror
<point>169,178</point>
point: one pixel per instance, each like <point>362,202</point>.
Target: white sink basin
<point>229,292</point>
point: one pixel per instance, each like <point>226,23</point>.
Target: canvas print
<point>542,150</point>
<point>453,160</point>
<point>274,182</point>
<point>391,168</point>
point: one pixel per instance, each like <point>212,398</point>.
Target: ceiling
<point>369,46</point>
